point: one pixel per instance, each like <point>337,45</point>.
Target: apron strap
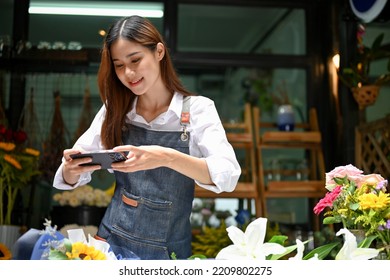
<point>185,117</point>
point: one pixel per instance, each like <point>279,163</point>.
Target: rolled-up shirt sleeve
<point>209,141</point>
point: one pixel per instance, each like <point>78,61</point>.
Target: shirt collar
<point>175,106</point>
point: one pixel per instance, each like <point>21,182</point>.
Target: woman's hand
<point>150,157</point>
<point>141,158</point>
<point>73,168</point>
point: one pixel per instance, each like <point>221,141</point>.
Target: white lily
<point>350,250</point>
<point>300,251</point>
<point>249,245</point>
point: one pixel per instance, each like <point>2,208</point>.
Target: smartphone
<point>103,158</point>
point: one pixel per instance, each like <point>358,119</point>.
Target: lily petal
<point>231,252</point>
<point>300,249</point>
<point>267,249</point>
<point>255,233</point>
<point>236,236</point>
<point>364,254</point>
<point>350,251</point>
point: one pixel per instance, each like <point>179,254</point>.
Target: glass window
<point>246,29</point>
<point>231,88</point>
<point>85,29</point>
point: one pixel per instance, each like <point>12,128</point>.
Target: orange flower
<point>5,254</point>
<point>7,146</point>
<point>32,152</point>
<point>12,161</point>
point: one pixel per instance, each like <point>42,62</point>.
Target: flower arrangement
<point>250,245</point>
<point>75,247</point>
<point>78,248</point>
<point>84,195</point>
<point>18,166</point>
<point>357,201</point>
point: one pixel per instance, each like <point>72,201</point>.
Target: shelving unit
<point>306,137</point>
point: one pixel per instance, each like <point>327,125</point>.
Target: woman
<point>170,141</point>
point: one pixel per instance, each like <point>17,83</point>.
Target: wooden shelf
<point>309,188</point>
<point>308,139</point>
<point>44,60</point>
<point>284,137</point>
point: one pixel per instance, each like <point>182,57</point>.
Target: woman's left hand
<point>141,158</point>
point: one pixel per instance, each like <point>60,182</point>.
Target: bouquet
<point>357,201</point>
<point>53,246</point>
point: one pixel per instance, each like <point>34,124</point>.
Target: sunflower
<point>5,254</point>
<point>81,251</point>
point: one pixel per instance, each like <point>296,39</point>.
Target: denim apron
<point>150,210</point>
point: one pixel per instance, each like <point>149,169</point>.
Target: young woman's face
<point>137,67</point>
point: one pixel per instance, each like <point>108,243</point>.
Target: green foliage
<point>322,251</point>
<point>358,72</point>
<point>289,250</point>
<point>211,241</point>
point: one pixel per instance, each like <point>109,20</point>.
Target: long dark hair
<point>116,97</point>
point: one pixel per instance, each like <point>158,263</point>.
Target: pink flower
<point>371,179</point>
<point>327,201</point>
<point>352,173</point>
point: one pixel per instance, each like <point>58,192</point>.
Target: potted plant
<point>365,88</point>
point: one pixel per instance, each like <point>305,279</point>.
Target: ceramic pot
<point>285,118</point>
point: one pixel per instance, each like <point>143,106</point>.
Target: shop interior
<point>258,53</point>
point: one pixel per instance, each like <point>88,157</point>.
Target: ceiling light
<point>108,8</point>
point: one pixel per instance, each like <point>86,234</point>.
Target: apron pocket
<point>142,249</point>
<point>143,218</point>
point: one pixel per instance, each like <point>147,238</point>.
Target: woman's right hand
<point>72,167</point>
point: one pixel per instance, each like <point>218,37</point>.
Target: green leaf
<point>289,249</point>
<point>329,220</point>
<point>377,42</point>
<point>57,255</point>
<point>354,206</point>
<point>339,181</point>
<point>173,256</point>
<point>322,251</point>
<point>366,242</point>
<point>279,239</point>
<point>197,256</point>
<point>67,244</point>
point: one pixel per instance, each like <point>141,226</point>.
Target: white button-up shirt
<point>207,140</point>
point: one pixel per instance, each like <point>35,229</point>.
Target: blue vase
<point>285,118</point>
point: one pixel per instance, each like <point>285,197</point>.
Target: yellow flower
<point>5,254</point>
<point>8,147</point>
<point>32,152</point>
<point>11,160</point>
<point>84,252</point>
<point>373,201</point>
